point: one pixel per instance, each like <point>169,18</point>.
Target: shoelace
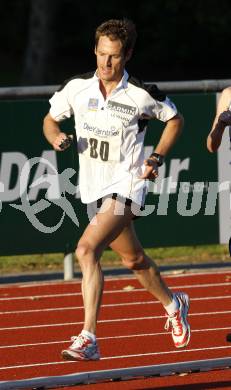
<point>175,322</point>
<point>78,341</point>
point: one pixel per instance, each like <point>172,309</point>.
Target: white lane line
<point>171,274</point>
<point>34,297</point>
<point>120,357</point>
<point>114,337</point>
<point>112,320</point>
<point>107,305</point>
<point>168,352</point>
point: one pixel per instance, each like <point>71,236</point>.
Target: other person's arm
<point>222,119</point>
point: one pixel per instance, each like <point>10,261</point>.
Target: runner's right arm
<point>53,133</point>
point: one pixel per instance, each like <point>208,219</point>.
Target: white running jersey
<point>110,133</point>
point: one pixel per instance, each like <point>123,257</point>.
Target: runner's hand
<point>151,169</point>
<point>62,142</point>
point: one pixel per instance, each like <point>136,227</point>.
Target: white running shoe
<point>83,348</point>
<point>178,322</point>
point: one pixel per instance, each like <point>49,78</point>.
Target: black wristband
<point>66,142</point>
<point>159,158</point>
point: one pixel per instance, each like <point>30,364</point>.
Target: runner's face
<point>110,59</point>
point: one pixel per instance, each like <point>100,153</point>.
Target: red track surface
<point>37,322</point>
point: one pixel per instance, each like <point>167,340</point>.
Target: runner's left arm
<point>163,109</point>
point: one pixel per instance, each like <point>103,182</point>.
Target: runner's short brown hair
<point>122,29</point>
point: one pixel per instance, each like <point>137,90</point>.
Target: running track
<point>37,321</point>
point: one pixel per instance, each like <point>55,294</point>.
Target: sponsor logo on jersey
<point>111,132</point>
<point>121,108</point>
<point>93,104</point>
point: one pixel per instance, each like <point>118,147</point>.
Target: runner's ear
<point>128,55</point>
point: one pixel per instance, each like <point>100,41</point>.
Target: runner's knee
<point>138,261</point>
<point>85,253</point>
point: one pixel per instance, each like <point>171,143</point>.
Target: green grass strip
<point>53,262</point>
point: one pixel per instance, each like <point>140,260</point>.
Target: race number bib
<point>100,137</point>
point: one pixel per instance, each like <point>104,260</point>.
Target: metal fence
<point>167,86</point>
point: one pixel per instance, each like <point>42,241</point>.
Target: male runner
<point>111,111</point>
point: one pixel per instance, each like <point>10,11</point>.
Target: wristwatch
<point>159,158</point>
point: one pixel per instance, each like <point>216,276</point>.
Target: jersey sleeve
<point>60,105</point>
<point>159,106</point>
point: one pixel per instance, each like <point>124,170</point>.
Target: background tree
<point>41,32</point>
<point>47,41</point>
